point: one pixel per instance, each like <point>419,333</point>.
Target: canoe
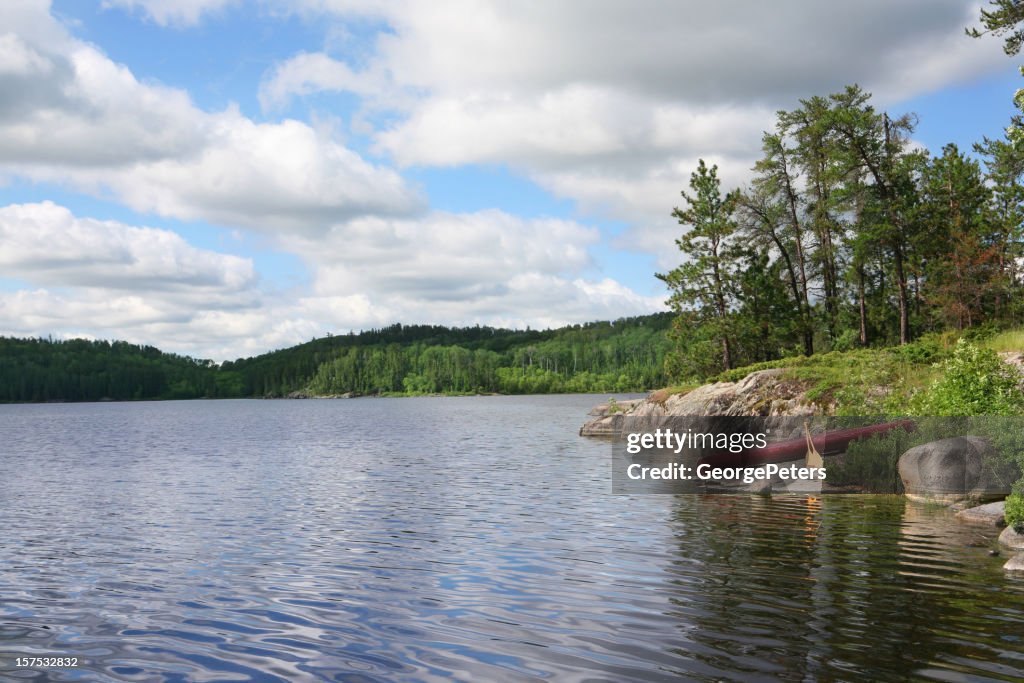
<point>831,442</point>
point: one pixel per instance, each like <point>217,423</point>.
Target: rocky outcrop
<point>762,393</point>
<point>611,408</point>
<point>953,470</point>
<point>989,514</point>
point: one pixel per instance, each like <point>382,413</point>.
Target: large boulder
<point>1011,538</point>
<point>989,514</point>
<point>963,468</point>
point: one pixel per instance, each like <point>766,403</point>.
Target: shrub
<point>872,463</point>
<point>974,382</point>
<point>1014,512</point>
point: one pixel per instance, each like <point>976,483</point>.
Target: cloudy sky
<point>224,177</point>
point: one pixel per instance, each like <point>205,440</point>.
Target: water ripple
<point>455,539</point>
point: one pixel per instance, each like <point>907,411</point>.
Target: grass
<point>903,380</point>
<point>873,381</point>
<point>1010,340</point>
<point>862,381</point>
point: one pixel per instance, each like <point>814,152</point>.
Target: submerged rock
<point>991,514</point>
<point>957,469</point>
<point>1015,563</point>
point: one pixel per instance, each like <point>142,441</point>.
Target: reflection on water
<point>463,538</point>
<point>845,587</point>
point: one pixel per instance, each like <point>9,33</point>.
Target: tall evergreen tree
<point>773,218</point>
<point>704,283</point>
<point>875,149</point>
<point>959,250</point>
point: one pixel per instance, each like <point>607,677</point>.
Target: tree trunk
<point>862,305</point>
<point>901,283</point>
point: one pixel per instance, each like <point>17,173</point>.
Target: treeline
<point>848,236</point>
<point>81,370</point>
<point>624,355</point>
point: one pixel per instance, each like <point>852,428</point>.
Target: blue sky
<point>225,177</point>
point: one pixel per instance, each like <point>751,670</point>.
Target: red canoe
<point>828,443</point>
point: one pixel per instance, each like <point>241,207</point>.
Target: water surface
<point>455,538</point>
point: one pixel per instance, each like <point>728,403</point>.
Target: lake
<point>467,539</point>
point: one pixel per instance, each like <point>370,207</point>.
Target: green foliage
<point>1010,340</point>
<point>703,286</point>
<point>872,463</point>
<point>624,355</point>
<point>848,237</point>
<point>82,370</point>
<point>1014,511</point>
<point>974,381</point>
<point>1001,18</point>
<point>858,382</point>
<point>736,374</point>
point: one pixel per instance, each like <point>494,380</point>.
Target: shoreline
<point>333,397</point>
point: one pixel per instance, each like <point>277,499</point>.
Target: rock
<point>1015,563</point>
<point>1016,360</point>
<point>761,487</point>
<point>990,514</point>
<point>1012,539</point>
<point>609,425</point>
<point>762,393</point>
<point>601,410</point>
<point>956,469</point>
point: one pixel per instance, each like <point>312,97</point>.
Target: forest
<point>849,235</point>
<point>623,355</point>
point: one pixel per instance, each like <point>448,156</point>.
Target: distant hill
<point>621,355</point>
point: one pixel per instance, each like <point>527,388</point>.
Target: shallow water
<point>455,538</point>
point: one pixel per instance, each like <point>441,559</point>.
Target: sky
<point>220,178</point>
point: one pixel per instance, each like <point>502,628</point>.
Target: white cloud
<point>172,12</point>
<point>485,267</point>
<point>265,177</point>
<point>172,325</point>
<point>69,114</point>
<point>46,245</point>
<point>607,103</point>
<point>306,73</point>
<point>18,59</point>
<point>105,279</point>
<point>599,97</point>
<point>444,255</point>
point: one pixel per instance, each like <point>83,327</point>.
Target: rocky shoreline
<point>765,393</point>
<point>962,473</point>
